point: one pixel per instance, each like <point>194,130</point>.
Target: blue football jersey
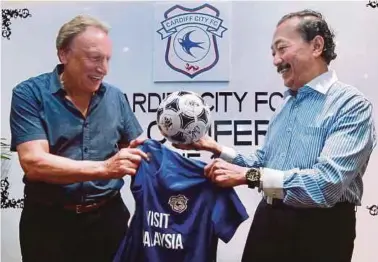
<point>179,214</point>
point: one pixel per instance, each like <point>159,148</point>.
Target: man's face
<point>292,56</point>
<point>86,62</point>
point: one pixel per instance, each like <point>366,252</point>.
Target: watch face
<point>253,175</point>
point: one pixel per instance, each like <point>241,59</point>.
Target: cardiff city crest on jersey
<point>178,203</point>
<point>191,35</point>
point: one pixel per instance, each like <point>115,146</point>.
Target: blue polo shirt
<point>39,110</point>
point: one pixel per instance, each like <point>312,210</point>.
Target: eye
<point>281,48</point>
<point>95,58</point>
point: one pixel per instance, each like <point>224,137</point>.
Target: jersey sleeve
<point>228,214</point>
<point>25,120</point>
<point>131,127</point>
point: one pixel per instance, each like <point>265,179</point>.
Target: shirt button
<point>85,149</point>
<point>288,130</point>
<point>282,155</point>
<point>85,124</point>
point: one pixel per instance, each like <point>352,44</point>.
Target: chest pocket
<point>311,141</point>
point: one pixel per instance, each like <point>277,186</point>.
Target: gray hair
<point>76,26</point>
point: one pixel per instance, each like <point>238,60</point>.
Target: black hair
<point>309,28</point>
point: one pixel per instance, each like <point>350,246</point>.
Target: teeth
<point>96,77</point>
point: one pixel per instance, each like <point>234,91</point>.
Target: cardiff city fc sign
<point>191,36</point>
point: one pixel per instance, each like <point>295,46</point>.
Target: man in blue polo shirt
<point>75,136</point>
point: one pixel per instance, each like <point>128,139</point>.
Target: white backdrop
<point>242,106</point>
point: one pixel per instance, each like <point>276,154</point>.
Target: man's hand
<point>225,174</point>
<point>206,143</point>
<point>126,161</point>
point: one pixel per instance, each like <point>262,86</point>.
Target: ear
<point>317,45</point>
<point>63,56</point>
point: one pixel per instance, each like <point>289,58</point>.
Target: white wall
<point>30,51</point>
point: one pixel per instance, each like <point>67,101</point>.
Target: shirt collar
<point>56,85</point>
<point>321,83</point>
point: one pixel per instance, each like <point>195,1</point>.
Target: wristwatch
<point>253,176</point>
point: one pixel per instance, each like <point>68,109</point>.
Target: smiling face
<point>296,59</point>
<point>86,60</point>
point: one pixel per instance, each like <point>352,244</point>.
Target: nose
<point>103,66</point>
<point>277,60</point>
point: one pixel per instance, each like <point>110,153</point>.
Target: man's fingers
<point>221,180</point>
<point>141,153</point>
<point>137,142</point>
<point>135,158</point>
<point>218,172</point>
<point>210,171</point>
<point>130,171</point>
<point>221,164</point>
<point>125,153</point>
<point>208,168</point>
<point>128,164</point>
<point>217,168</point>
<point>214,171</point>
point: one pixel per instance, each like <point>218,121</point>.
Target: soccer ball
<point>183,117</point>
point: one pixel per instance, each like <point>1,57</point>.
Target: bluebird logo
<point>178,203</point>
<point>191,35</point>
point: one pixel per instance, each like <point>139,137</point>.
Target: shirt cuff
<point>272,182</point>
<point>228,154</point>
